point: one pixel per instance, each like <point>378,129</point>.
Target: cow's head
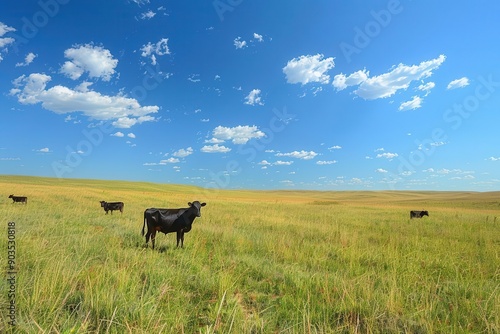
<point>424,213</point>
<point>197,207</point>
<point>11,196</point>
<point>102,203</point>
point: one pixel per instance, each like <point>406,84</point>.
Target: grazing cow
<point>20,199</point>
<point>418,214</point>
<point>110,206</point>
<point>171,220</point>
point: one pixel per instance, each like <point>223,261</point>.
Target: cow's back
<point>168,220</point>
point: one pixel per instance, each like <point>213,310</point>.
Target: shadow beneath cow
<point>159,249</point>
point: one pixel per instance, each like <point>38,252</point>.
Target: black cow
<point>110,206</point>
<point>418,214</point>
<point>171,220</point>
<point>20,199</point>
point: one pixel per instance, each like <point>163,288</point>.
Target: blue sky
<point>327,95</point>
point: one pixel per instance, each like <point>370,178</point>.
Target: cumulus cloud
<point>97,61</point>
<point>182,153</point>
<point>341,81</point>
<point>254,98</point>
<point>148,15</point>
<point>432,144</point>
<point>265,163</point>
<point>238,135</point>
<point>414,103</point>
<point>387,84</point>
<point>258,37</point>
<point>329,162</point>
<point>169,161</point>
<point>5,41</point>
<point>43,150</point>
<point>426,87</point>
<point>215,149</point>
<point>118,134</point>
<point>380,170</point>
<point>387,155</point>
<point>27,60</point>
<point>304,155</point>
<point>5,29</point>
<point>283,163</point>
<point>151,50</point>
<point>123,111</point>
<point>239,44</point>
<point>306,69</point>
<point>458,83</point>
<point>335,147</point>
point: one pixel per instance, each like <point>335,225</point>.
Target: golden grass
<point>255,262</point>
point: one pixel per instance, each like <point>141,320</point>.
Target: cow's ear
<point>203,204</point>
<point>189,203</point>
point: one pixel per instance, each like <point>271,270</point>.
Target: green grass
<point>255,262</point>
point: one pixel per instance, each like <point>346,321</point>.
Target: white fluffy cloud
<point>254,98</point>
<point>329,162</point>
<point>27,60</point>
<point>306,69</point>
<point>258,37</point>
<point>123,111</point>
<point>5,29</point>
<point>458,83</point>
<point>283,163</point>
<point>5,41</point>
<point>239,44</point>
<point>238,135</point>
<point>169,161</point>
<point>148,15</point>
<point>304,155</point>
<point>159,48</point>
<point>340,81</point>
<point>97,61</point>
<point>387,84</point>
<point>215,149</point>
<point>426,87</point>
<point>414,103</point>
<point>387,155</point>
<point>265,163</point>
<point>182,153</point>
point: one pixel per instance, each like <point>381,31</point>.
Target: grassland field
<point>254,262</point>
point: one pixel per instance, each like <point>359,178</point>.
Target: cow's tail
<point>144,226</point>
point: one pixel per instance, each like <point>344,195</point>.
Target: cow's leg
<point>153,236</point>
<point>148,235</point>
<point>180,237</point>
